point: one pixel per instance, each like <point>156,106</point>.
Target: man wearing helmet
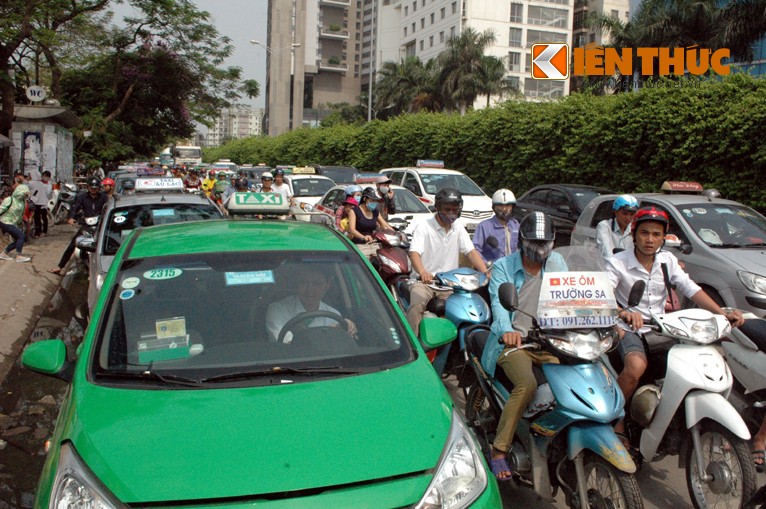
<point>386,194</point>
<point>614,233</point>
<point>659,269</point>
<point>88,204</point>
<point>107,185</point>
<point>209,183</point>
<point>501,227</point>
<point>436,245</point>
<point>524,268</point>
<point>280,186</point>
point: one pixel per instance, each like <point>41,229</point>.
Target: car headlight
<point>76,486</point>
<point>582,344</point>
<point>752,282</point>
<point>703,331</point>
<point>306,207</point>
<point>460,475</point>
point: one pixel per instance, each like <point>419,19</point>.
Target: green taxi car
<point>253,364</point>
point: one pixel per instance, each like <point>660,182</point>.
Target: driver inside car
<point>312,287</point>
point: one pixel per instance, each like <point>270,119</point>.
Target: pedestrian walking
<point>11,212</point>
<point>41,192</point>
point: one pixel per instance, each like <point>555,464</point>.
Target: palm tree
<point>492,80</point>
<point>408,86</point>
<point>460,66</point>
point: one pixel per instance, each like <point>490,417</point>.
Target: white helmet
<point>503,197</point>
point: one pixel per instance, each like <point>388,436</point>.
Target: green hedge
<point>712,132</point>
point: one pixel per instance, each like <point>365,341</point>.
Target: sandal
<point>759,457</point>
<point>498,466</point>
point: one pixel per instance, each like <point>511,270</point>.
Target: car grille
<point>476,215</point>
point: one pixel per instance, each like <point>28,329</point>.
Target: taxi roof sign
<point>430,163</point>
<point>258,203</point>
<point>674,186</point>
<point>159,184</point>
<point>303,170</point>
<point>367,178</point>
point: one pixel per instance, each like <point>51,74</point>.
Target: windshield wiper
<point>726,245</point>
<point>279,370</point>
<point>755,244</point>
<point>152,375</point>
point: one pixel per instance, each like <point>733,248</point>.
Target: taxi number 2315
<point>162,273</point>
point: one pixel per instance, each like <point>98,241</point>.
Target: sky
<point>241,21</point>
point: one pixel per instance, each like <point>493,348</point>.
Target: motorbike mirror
<point>636,293</point>
<point>618,250</point>
<point>686,248</point>
<point>492,242</point>
<point>509,297</point>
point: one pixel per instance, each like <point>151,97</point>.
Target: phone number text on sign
<point>576,299</point>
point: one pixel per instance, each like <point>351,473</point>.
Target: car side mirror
<point>48,357</point>
<point>686,248</point>
<point>436,332</point>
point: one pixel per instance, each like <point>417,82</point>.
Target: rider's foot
<point>499,465</point>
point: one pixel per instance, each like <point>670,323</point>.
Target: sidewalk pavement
<point>26,289</point>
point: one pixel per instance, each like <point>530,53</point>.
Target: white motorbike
<point>684,411</point>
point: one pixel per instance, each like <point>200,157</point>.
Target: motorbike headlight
<point>76,486</point>
<point>468,282</point>
<point>388,262</point>
<point>702,331</point>
<point>392,240</point>
<point>752,282</point>
<point>460,476</point>
<point>586,345</point>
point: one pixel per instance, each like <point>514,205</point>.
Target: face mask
<point>448,218</point>
<point>383,189</point>
<point>358,197</point>
<point>372,205</point>
<point>537,251</point>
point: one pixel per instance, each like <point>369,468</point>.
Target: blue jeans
<point>16,233</point>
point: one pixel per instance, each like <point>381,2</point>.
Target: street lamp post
<point>273,59</point>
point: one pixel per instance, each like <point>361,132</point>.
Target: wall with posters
<point>40,146</point>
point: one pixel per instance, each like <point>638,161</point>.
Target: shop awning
<point>61,116</point>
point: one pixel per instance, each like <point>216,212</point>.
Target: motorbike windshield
<point>575,291</point>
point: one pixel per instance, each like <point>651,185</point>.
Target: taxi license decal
<point>257,277</point>
<point>700,211</point>
<point>167,273</point>
<point>130,282</point>
<point>163,213</point>
<point>127,294</point>
<point>119,219</point>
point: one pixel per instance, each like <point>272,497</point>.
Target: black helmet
<point>279,171</point>
<point>94,182</point>
<point>537,226</point>
<point>448,195</point>
<point>369,193</point>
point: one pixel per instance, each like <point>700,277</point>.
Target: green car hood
<point>171,445</point>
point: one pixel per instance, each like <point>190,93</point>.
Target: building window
<point>452,31</point>
<point>627,15</point>
<point>517,13</point>
<point>615,14</point>
<point>431,41</point>
<point>454,7</point>
<point>591,37</point>
<point>405,31</point>
<point>514,61</point>
<point>441,36</point>
<point>433,17</point>
<point>406,10</point>
<point>422,22</point>
<point>413,27</point>
<point>537,36</point>
<point>423,3</point>
<point>421,44</point>
<point>543,88</point>
<point>443,12</point>
<point>515,38</point>
<point>547,16</point>
<point>414,6</point>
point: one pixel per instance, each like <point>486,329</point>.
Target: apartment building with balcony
<point>235,123</point>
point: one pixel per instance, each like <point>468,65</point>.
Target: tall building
<point>235,123</point>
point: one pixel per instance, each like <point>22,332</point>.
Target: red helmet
<point>107,182</point>
<point>650,214</point>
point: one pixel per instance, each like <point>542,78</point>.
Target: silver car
<point>123,214</point>
<point>722,243</point>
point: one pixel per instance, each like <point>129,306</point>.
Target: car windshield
<point>122,221</point>
<point>408,203</point>
<point>311,186</point>
<point>585,196</point>
<point>434,182</point>
<point>339,174</point>
<point>725,225</point>
<point>241,317</point>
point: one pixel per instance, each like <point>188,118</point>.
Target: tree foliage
<point>627,142</point>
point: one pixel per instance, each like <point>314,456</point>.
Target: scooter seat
<point>755,330</point>
<point>437,306</point>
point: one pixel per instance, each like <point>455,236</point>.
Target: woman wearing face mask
<point>364,219</point>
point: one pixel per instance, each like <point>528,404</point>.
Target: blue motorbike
<point>466,308</point>
<point>565,437</point>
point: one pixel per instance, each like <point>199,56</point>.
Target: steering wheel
<point>305,316</point>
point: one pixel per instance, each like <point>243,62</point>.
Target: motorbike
<point>745,352</point>
<point>681,408</point>
<point>64,200</point>
<point>565,438</point>
<point>86,239</point>
<point>391,260</point>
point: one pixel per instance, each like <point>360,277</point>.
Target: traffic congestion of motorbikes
<point>701,397</point>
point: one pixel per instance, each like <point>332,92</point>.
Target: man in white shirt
<point>435,247</point>
<point>614,233</point>
<point>40,192</point>
<point>280,186</point>
<point>312,286</point>
<point>645,262</point>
